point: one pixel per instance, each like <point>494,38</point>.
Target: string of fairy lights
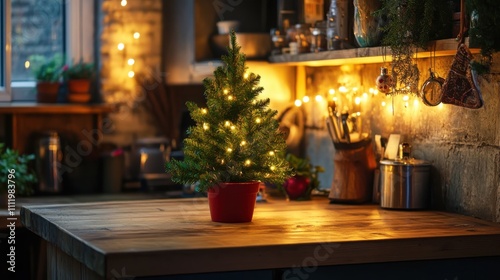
<point>232,127</point>
<point>121,46</point>
<point>350,99</point>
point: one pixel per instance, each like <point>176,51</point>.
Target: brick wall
<point>117,24</point>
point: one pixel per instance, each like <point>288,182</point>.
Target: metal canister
<point>404,184</point>
<point>48,157</point>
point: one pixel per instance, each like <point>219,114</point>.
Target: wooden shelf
<point>55,108</point>
<point>445,47</point>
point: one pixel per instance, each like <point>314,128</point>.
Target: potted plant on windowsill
<point>79,78</point>
<point>16,177</point>
<point>47,73</point>
<point>235,143</point>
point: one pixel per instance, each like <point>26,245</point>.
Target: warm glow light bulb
<point>246,75</point>
<point>331,91</point>
<point>357,100</point>
<point>243,143</point>
<point>318,98</point>
<point>354,89</point>
<point>343,89</point>
<point>131,74</point>
<point>229,150</point>
<point>247,162</point>
<point>271,153</point>
<point>121,46</point>
<point>383,103</point>
<point>406,97</point>
<point>131,61</point>
<point>227,123</point>
<point>305,99</point>
<point>258,120</point>
<point>27,64</point>
<point>335,99</point>
<point>365,95</point>
<point>233,127</point>
<point>415,102</point>
<point>124,3</point>
<point>298,103</point>
<point>226,91</point>
<point>371,90</point>
<point>273,168</point>
<point>203,111</point>
<point>230,97</point>
<point>137,35</point>
<point>205,126</point>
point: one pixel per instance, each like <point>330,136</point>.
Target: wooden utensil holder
<point>354,165</point>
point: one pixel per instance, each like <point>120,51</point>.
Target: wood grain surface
<point>164,237</point>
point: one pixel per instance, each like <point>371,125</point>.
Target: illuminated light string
<point>355,94</point>
<point>121,46</point>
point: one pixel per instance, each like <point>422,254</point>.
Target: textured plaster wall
<point>462,144</point>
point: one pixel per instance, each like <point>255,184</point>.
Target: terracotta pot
<point>79,97</point>
<point>47,92</point>
<point>233,202</point>
<point>79,86</point>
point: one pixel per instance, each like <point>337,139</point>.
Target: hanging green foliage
<point>411,25</point>
<point>484,30</point>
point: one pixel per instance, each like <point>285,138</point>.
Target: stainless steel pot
<point>404,184</point>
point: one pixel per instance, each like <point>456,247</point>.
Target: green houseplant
<point>484,32</point>
<point>305,180</point>
<point>79,78</point>
<point>17,167</point>
<point>48,74</point>
<point>412,24</point>
<point>235,143</point>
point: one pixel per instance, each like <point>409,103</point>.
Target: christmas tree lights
<point>236,137</point>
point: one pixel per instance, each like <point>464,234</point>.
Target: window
<point>45,28</point>
<point>5,93</point>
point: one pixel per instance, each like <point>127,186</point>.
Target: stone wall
<point>118,24</point>
<point>462,144</point>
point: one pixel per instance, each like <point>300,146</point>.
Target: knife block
<point>354,166</point>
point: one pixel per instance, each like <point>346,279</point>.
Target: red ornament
<point>296,186</point>
<point>384,82</point>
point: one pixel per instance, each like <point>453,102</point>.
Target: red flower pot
<point>46,92</point>
<point>79,86</point>
<point>233,202</point>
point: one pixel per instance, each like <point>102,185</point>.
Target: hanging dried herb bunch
<point>412,23</point>
<point>484,32</point>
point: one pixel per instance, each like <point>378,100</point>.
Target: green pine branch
<point>236,137</point>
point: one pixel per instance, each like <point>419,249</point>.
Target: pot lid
<point>410,161</point>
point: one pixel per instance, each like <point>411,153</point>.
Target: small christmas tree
<point>236,138</point>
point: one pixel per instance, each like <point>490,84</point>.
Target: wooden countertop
<point>176,236</point>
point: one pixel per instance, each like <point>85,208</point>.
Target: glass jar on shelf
<point>301,34</point>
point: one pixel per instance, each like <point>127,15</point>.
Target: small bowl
<point>224,27</point>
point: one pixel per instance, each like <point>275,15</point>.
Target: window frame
<point>5,91</point>
<point>79,42</point>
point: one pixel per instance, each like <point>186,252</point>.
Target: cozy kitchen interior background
<point>462,144</point>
